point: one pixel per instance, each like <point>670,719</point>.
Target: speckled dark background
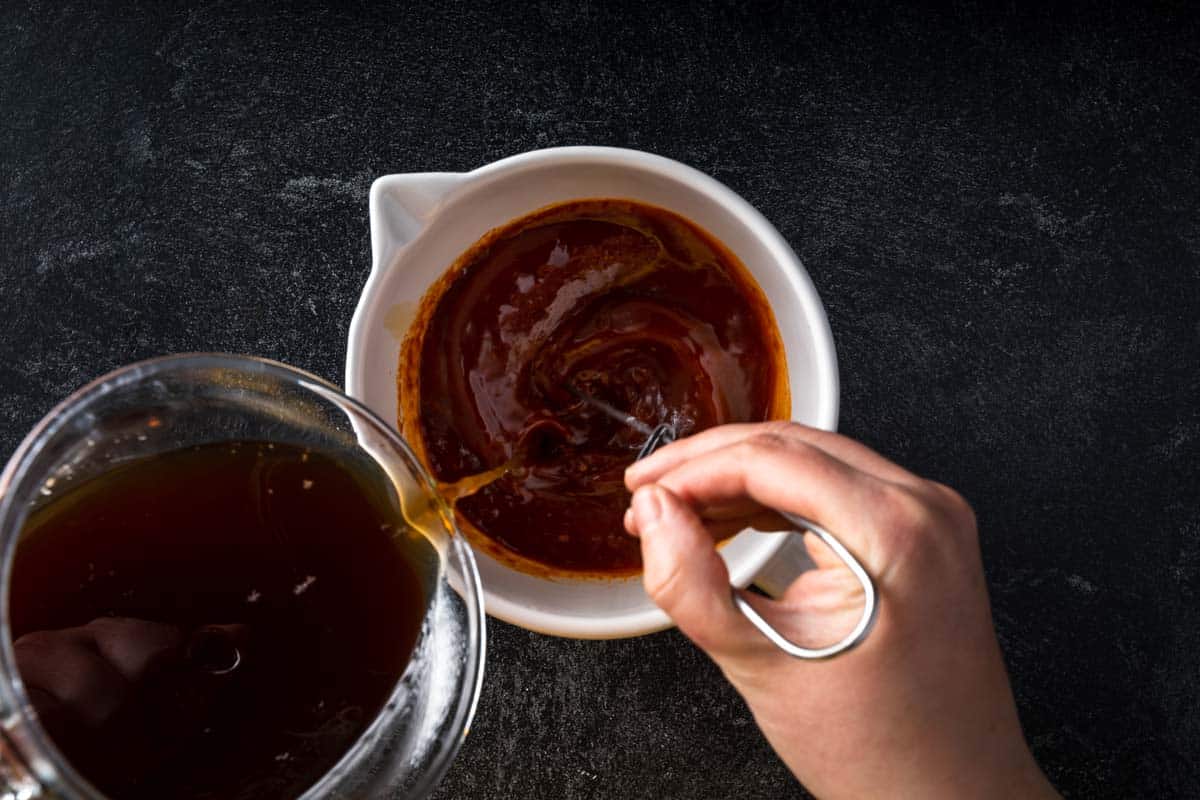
<point>1001,210</point>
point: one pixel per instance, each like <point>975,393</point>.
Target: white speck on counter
<point>302,587</point>
<point>1081,584</point>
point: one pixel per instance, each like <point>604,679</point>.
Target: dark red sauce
<point>620,301</point>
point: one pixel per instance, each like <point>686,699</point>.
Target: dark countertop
<point>1000,210</point>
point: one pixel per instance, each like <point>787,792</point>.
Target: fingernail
<point>629,526</point>
<point>646,507</point>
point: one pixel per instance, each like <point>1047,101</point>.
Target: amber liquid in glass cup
<point>224,578</point>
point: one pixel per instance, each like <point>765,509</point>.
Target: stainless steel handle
<point>663,435</point>
<point>860,630</point>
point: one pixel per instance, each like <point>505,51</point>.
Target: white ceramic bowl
<point>421,222</point>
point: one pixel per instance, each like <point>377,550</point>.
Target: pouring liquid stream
<point>465,487</point>
<point>422,516</point>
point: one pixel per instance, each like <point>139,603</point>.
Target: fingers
<point>847,450</point>
<point>683,574</point>
<point>725,521</point>
<point>64,665</point>
<point>134,646</point>
<point>90,669</point>
<point>786,475</point>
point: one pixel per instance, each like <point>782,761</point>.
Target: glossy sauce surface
<point>620,301</point>
<point>219,622</point>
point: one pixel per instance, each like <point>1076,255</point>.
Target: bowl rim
<point>453,185</point>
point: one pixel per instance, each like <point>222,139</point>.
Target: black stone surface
<point>1001,210</point>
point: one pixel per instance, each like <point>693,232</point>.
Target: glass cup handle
<point>776,580</point>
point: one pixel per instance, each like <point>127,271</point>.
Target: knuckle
<point>908,522</point>
<point>956,506</point>
<point>766,441</point>
<point>904,510</point>
<point>662,586</point>
<point>771,441</point>
<point>927,520</point>
<point>782,428</point>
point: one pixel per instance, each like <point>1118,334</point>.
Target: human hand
<point>921,709</point>
<point>86,674</point>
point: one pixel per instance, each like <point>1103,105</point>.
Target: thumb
<point>683,574</point>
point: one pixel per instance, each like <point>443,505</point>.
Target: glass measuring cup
<point>175,402</point>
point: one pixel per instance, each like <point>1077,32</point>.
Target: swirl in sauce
<point>617,300</point>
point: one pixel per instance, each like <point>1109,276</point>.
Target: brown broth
<point>134,593</point>
<point>624,302</point>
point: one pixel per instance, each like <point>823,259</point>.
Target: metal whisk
<point>664,434</point>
